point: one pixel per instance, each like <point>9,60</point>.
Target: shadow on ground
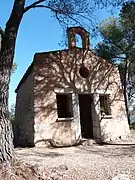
<point>110,150</point>
<point>32,152</point>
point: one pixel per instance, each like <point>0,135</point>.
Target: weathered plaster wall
<point>24,114</point>
<point>117,126</point>
<point>58,71</point>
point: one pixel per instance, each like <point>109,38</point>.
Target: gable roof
<point>30,68</point>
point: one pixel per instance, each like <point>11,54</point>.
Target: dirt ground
<point>95,162</point>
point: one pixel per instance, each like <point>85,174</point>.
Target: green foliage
<point>119,33</point>
<point>114,44</point>
<point>111,30</point>
<point>118,44</point>
<point>127,15</point>
<point>108,51</point>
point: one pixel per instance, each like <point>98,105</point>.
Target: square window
<point>64,105</point>
<point>105,104</point>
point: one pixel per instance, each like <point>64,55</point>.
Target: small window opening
<point>105,105</point>
<point>64,105</point>
<point>78,41</point>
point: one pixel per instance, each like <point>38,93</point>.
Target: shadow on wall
<point>77,70</point>
<point>60,71</point>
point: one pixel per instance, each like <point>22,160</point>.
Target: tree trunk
<point>125,84</point>
<point>126,103</point>
<point>6,133</point>
<point>6,62</point>
<point>6,139</point>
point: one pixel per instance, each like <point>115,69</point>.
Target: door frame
<point>92,98</point>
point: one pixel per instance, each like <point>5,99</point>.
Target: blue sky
<point>38,32</point>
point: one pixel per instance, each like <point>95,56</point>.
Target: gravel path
<point>95,162</point>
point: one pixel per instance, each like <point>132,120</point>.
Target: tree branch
<point>56,11</point>
<point>132,95</point>
<point>32,5</point>
<point>119,57</point>
<point>35,5</point>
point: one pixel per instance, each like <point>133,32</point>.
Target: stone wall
<point>63,72</point>
<point>59,71</point>
<point>24,113</point>
<point>72,31</point>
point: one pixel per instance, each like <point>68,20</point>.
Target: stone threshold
<point>89,142</point>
